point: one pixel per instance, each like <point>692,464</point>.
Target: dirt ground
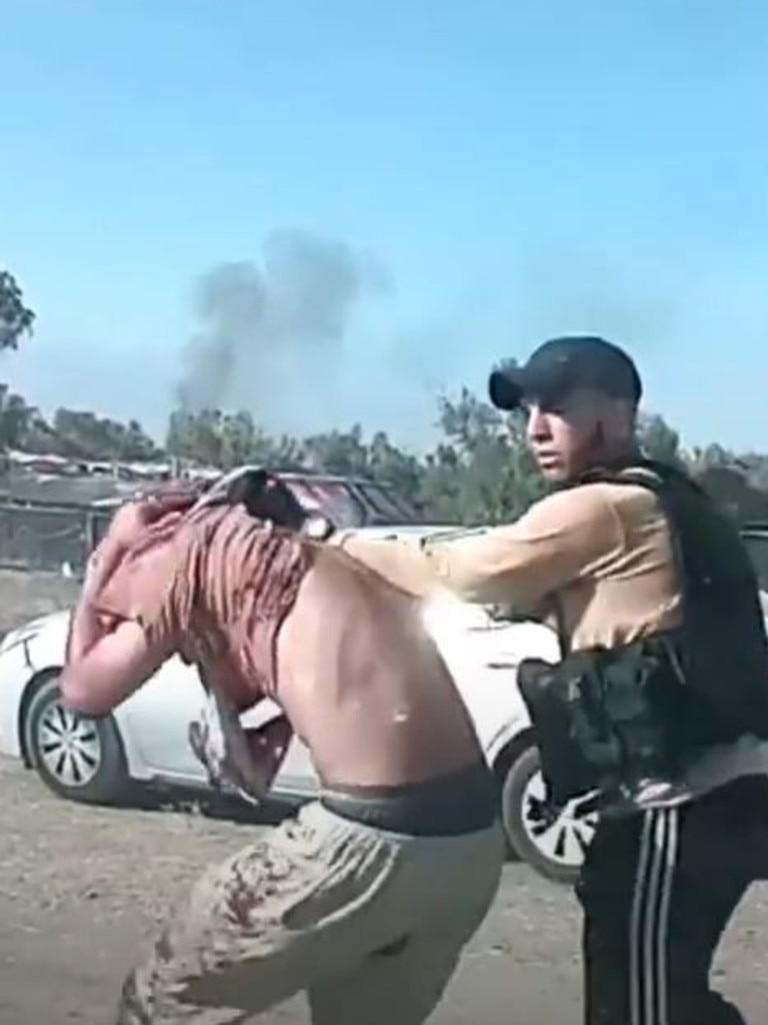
<point>24,596</point>
<point>83,889</point>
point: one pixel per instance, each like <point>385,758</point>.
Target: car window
<point>332,498</point>
<point>388,506</point>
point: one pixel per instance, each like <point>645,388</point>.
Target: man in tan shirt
<point>660,883</point>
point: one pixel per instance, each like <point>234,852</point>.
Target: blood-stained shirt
<point>216,590</point>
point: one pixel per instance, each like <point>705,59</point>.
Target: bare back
<point>364,685</point>
<point>339,648</point>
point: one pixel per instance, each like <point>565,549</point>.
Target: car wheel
<point>553,846</point>
<point>76,757</point>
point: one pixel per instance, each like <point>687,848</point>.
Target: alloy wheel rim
<point>68,745</point>
<point>565,838</point>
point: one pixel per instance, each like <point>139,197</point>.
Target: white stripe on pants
<point>649,920</point>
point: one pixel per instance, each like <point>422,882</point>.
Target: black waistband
<point>462,802</point>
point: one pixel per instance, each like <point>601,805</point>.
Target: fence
<point>48,537</point>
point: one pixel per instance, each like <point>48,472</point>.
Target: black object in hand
<point>266,497</point>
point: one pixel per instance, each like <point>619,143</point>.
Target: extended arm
<point>557,541</point>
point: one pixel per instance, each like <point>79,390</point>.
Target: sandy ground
<point>82,889</point>
<point>24,596</point>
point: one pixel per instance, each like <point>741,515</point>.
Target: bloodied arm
<point>249,758</point>
<point>87,626</point>
<point>133,520</point>
<point>110,652</point>
<point>113,667</point>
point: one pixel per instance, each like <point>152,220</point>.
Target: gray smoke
<point>270,333</point>
<point>274,335</point>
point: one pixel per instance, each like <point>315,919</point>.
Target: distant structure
<point>56,480</point>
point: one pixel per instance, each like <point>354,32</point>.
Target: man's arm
<point>250,758</point>
<point>89,622</point>
<point>560,539</point>
<point>87,625</point>
<point>110,670</point>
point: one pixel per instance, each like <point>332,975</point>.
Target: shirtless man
<point>367,898</point>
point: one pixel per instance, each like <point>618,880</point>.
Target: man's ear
<point>624,419</point>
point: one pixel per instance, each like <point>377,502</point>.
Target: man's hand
<point>115,666</point>
<point>248,759</point>
<point>268,744</point>
<point>269,499</point>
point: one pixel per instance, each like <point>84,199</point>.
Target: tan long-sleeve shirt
<point>601,550</point>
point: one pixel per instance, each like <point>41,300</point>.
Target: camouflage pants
<point>370,925</point>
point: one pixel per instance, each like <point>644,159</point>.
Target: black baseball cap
<point>562,365</point>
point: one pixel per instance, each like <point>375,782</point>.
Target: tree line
<point>480,470</point>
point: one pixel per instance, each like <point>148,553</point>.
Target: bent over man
<point>660,705</point>
<point>367,898</point>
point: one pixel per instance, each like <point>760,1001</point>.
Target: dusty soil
<point>82,889</point>
<point>24,596</point>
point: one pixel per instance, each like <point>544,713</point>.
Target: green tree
<point>16,419</point>
<point>134,444</point>
<point>480,471</point>
<point>389,464</point>
<point>658,440</point>
<point>484,472</point>
<point>83,434</point>
<point>16,318</point>
<point>196,436</point>
<point>341,452</point>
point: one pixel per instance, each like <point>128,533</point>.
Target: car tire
<point>78,758</point>
<point>554,850</point>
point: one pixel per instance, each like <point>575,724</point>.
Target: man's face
<point>566,436</point>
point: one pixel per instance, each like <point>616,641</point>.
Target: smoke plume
<point>270,333</point>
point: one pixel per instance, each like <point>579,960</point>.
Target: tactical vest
<point>610,720</point>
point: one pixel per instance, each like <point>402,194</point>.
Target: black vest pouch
<point>599,719</point>
<point>553,695</point>
<point>642,692</point>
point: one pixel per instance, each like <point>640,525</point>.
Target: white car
<point>145,739</point>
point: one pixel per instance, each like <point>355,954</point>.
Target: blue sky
<point>511,170</point>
